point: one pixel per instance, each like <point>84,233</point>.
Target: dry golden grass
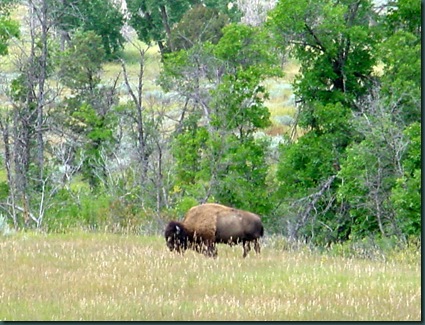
<point>84,276</point>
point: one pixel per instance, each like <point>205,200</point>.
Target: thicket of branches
<point>79,151</point>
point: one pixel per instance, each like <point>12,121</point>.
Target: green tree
<point>8,27</point>
<point>30,94</point>
<point>153,19</point>
<point>377,182</point>
<point>307,172</point>
<point>244,47</point>
<point>336,45</point>
<point>217,155</point>
<point>89,111</point>
<point>198,24</point>
<point>102,17</point>
<point>401,57</point>
<point>343,176</point>
<point>188,162</point>
<point>401,89</point>
<point>406,194</point>
<point>368,174</point>
<point>81,63</point>
<point>225,7</point>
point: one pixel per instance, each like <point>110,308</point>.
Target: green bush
<point>379,248</point>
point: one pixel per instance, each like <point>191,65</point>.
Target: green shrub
<point>379,248</point>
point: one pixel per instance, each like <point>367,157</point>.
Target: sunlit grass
<point>84,276</point>
<point>131,56</point>
<point>281,101</point>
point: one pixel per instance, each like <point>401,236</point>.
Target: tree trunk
<point>167,28</point>
<point>137,97</point>
<point>8,162</point>
<point>42,76</point>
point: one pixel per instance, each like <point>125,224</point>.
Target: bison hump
<point>201,221</point>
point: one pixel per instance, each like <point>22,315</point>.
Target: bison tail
<point>262,231</point>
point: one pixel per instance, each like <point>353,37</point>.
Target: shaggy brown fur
<point>211,223</point>
<point>176,236</point>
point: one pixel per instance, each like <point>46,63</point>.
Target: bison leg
<point>209,249</point>
<point>212,250</point>
<point>257,246</point>
<point>246,248</point>
<point>198,248</point>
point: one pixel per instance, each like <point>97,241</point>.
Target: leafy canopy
<point>8,27</point>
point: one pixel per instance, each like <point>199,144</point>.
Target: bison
<point>207,224</point>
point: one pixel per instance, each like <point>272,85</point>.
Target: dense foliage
<point>82,150</point>
<point>101,17</point>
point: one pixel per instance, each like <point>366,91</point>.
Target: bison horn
<point>177,230</point>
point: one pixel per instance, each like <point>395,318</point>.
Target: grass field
<point>84,276</point>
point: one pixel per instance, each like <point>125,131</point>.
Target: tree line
<point>81,151</point>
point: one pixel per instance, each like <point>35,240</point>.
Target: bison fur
<point>176,236</point>
<point>206,225</point>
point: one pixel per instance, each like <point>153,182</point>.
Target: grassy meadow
<point>83,276</point>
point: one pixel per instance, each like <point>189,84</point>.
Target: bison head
<point>176,236</point>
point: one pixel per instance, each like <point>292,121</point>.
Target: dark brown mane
<point>176,236</point>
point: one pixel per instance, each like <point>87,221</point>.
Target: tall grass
<point>83,276</point>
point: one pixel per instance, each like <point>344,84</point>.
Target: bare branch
<point>311,200</point>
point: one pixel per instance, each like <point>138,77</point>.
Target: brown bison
<point>207,224</point>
